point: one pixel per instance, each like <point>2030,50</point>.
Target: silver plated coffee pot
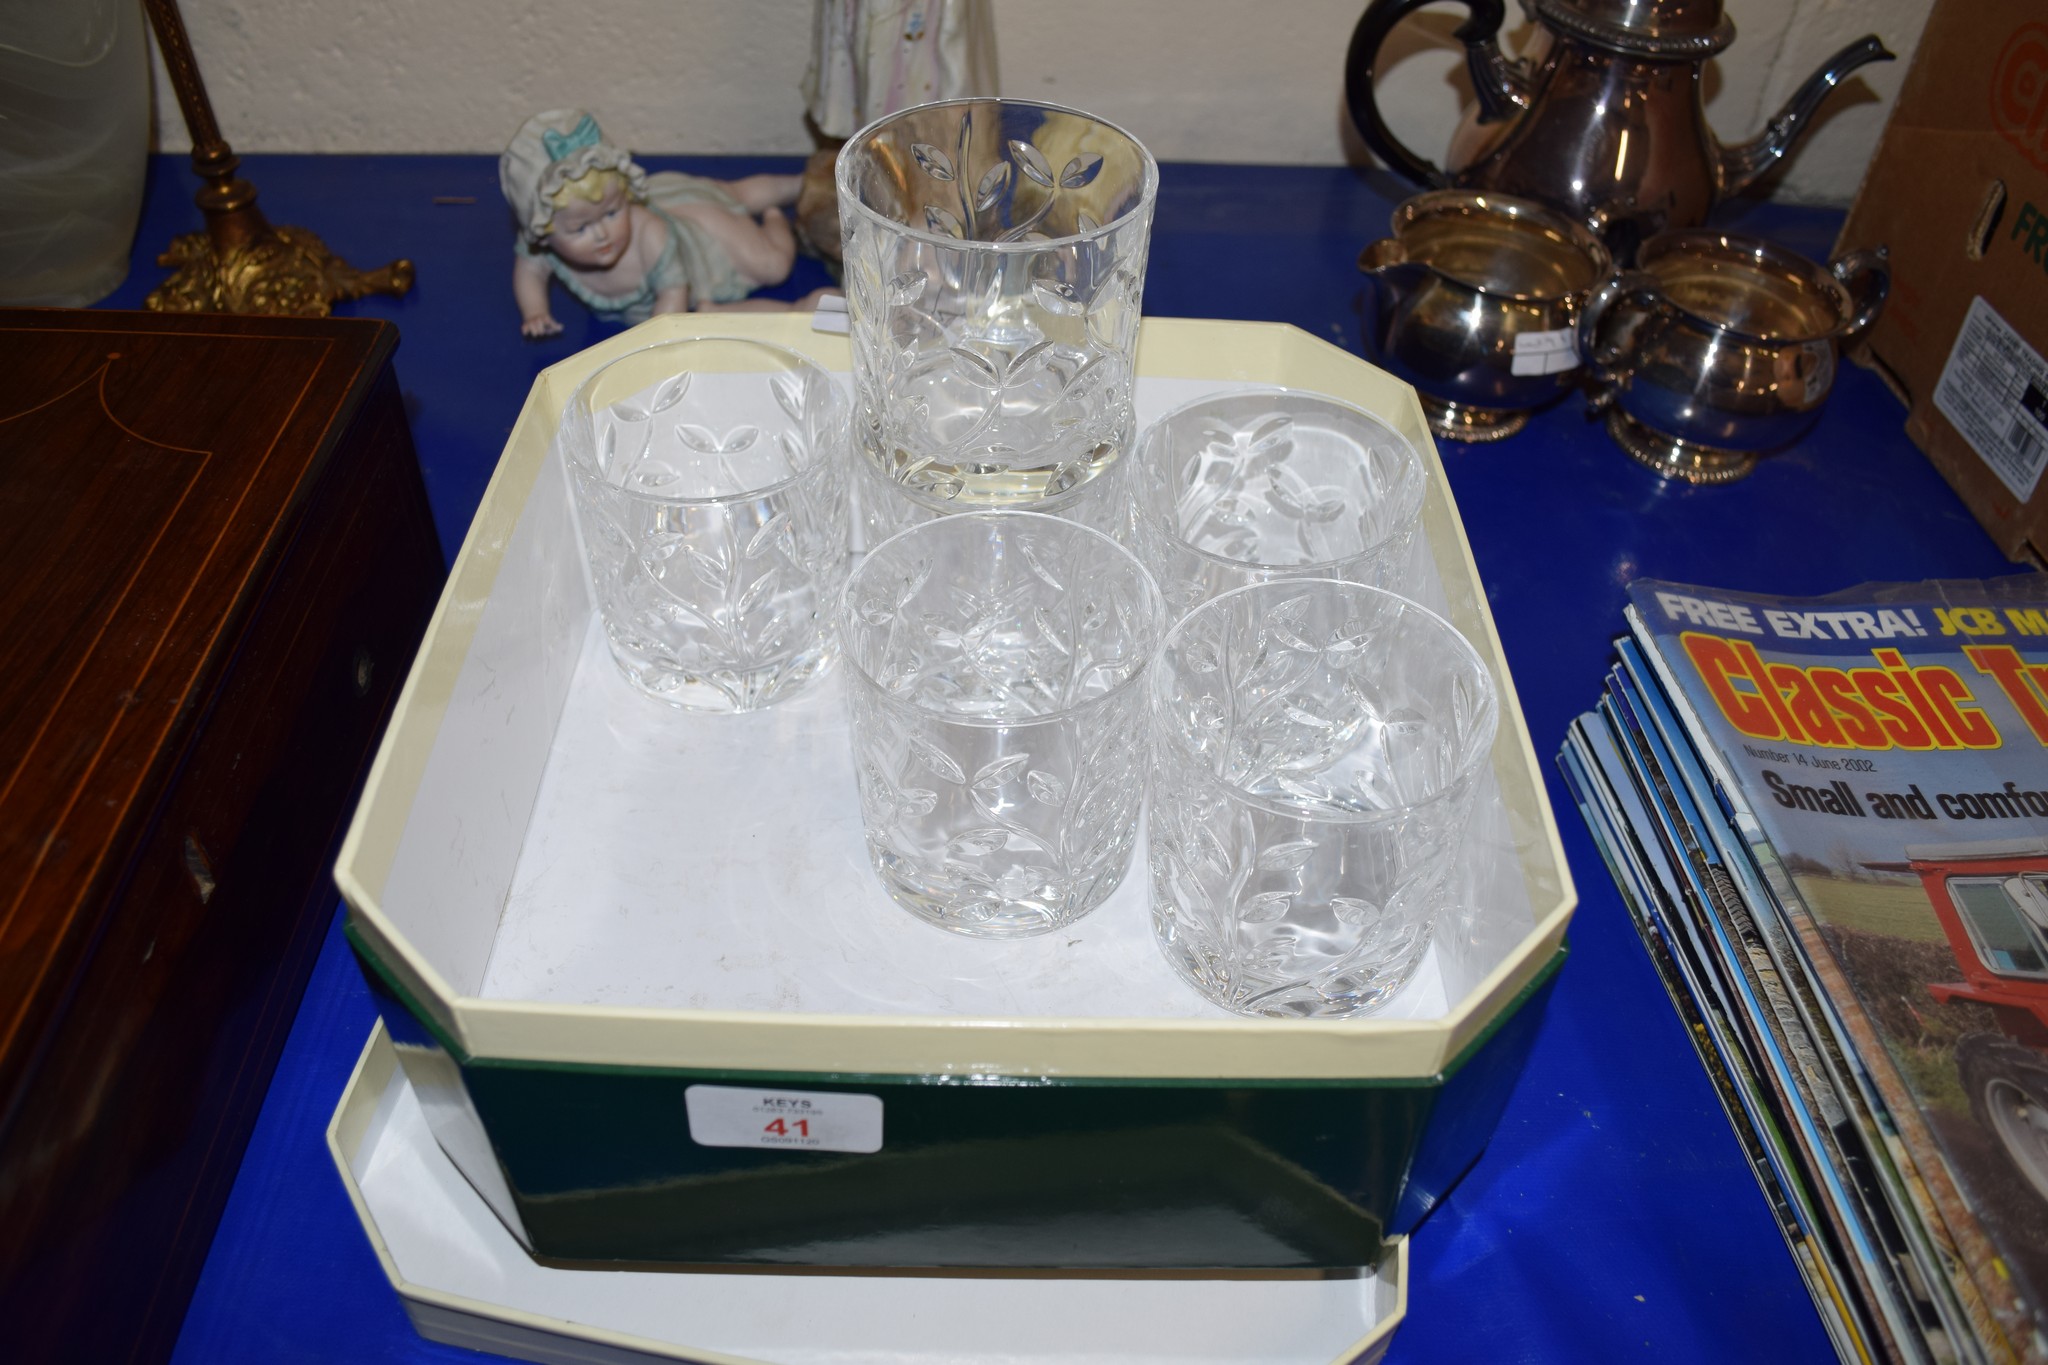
<point>1603,117</point>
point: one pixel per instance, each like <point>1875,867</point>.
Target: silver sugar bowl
<point>1721,347</point>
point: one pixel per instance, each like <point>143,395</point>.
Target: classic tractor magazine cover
<point>1831,818</point>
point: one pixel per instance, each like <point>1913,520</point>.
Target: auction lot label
<point>806,1120</point>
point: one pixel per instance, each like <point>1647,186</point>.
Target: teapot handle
<point>1867,276</point>
<point>1482,53</point>
<point>1599,357</point>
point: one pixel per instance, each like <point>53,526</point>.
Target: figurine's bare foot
<point>542,326</point>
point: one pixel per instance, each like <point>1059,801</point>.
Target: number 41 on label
<point>801,1120</point>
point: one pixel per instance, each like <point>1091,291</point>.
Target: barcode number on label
<point>1994,389</point>
<point>796,1120</point>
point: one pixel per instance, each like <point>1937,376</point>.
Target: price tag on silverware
<point>806,1120</point>
<point>1551,352</point>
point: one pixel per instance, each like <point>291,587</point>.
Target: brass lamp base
<point>282,271</point>
<point>1676,459</point>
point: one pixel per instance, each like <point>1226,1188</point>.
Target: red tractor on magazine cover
<point>1992,899</point>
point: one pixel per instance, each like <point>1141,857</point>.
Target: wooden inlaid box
<point>579,906</point>
<point>216,559</point>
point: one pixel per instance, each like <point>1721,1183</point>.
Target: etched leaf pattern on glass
<point>1305,809</point>
<point>712,590</point>
<point>1019,827</point>
<point>1260,485</point>
<point>999,755</point>
<point>968,361</point>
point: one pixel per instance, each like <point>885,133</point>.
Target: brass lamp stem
<point>241,264</point>
<point>226,196</point>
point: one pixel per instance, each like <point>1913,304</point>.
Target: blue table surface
<point>1612,1218</point>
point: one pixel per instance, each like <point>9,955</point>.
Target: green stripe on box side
<point>597,1164</point>
<point>422,1019</point>
<point>603,1167</point>
<point>367,959</point>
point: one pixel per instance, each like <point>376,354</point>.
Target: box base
<point>465,1281</point>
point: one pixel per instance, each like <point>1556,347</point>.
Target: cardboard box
<point>576,906</point>
<point>1958,194</point>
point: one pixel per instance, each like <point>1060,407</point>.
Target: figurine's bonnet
<point>548,152</point>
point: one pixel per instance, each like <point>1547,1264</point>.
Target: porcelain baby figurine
<point>630,244</point>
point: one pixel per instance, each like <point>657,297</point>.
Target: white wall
<point>1197,80</point>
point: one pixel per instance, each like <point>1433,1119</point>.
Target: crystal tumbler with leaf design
<point>710,481</point>
<point>1316,749</point>
<point>1264,484</point>
<point>994,266</point>
<point>996,666</point>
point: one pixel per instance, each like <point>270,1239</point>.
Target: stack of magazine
<point>1829,818</point>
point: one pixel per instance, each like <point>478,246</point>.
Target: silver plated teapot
<point>1603,118</point>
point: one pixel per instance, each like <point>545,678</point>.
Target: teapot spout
<point>1743,163</point>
